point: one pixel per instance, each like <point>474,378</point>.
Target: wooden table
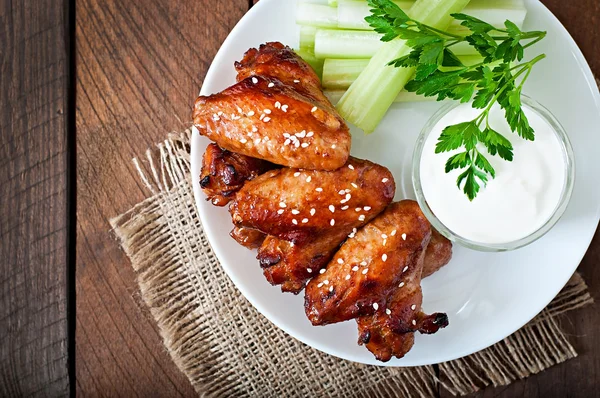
<point>84,87</point>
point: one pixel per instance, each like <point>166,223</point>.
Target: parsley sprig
<point>499,78</point>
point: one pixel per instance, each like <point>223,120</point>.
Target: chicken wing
<point>369,267</point>
<point>224,173</point>
<point>261,116</point>
<point>296,205</point>
<point>438,253</point>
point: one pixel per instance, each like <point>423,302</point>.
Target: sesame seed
<point>308,178</point>
<point>309,270</point>
<point>345,207</point>
<point>412,307</point>
<point>363,263</point>
<point>254,129</point>
<point>319,189</point>
<point>235,117</point>
<point>401,284</point>
<point>343,201</point>
<point>322,271</point>
<point>357,209</point>
<point>239,109</point>
<point>342,192</point>
<point>277,104</point>
<point>251,113</point>
<point>347,276</point>
<point>286,142</point>
<point>361,217</point>
<point>393,233</point>
<point>267,111</point>
<point>304,145</point>
<point>340,261</point>
<point>384,257</point>
<point>375,306</point>
<point>304,220</point>
<point>364,272</point>
<point>320,285</point>
<point>326,281</point>
<point>257,141</point>
<point>267,119</point>
<point>331,288</point>
<point>220,113</point>
<point>312,212</point>
<point>243,140</point>
<point>355,268</point>
<point>295,212</point>
<point>254,80</point>
<point>385,180</point>
<point>354,185</point>
<point>351,167</point>
<point>405,269</point>
<point>310,134</point>
<point>403,236</point>
<point>271,85</point>
<point>387,311</point>
<point>296,174</point>
<point>313,109</point>
<point>367,208</point>
<point>332,208</point>
<point>332,222</point>
<point>333,146</point>
<point>284,108</point>
<point>414,322</point>
<point>295,222</point>
<point>384,236</point>
<point>282,204</point>
<point>384,242</point>
<point>297,143</point>
<point>348,196</point>
<point>216,118</point>
<point>280,211</point>
<point>296,81</point>
<point>301,134</point>
<point>347,190</point>
<point>262,116</point>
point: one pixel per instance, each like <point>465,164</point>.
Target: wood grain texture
<point>33,198</point>
<point>140,66</point>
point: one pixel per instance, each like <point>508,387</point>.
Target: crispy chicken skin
<point>438,253</point>
<point>224,173</point>
<point>248,237</point>
<point>291,124</point>
<point>369,267</point>
<point>297,205</point>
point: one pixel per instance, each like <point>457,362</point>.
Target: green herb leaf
<point>474,24</point>
<point>458,161</point>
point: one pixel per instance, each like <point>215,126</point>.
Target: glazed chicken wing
<point>438,253</point>
<point>248,237</point>
<point>369,267</point>
<point>224,173</point>
<point>308,214</point>
<point>261,116</point>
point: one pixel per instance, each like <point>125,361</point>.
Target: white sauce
<point>522,197</point>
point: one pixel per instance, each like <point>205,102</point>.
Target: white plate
<point>486,296</point>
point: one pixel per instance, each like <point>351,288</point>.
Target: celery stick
<point>314,62</point>
<point>337,43</point>
<point>330,43</point>
<point>322,2</point>
<point>307,37</point>
<point>369,97</point>
<point>351,14</point>
<point>334,96</point>
<point>339,74</point>
<point>316,15</point>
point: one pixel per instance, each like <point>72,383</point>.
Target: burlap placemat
<point>226,348</point>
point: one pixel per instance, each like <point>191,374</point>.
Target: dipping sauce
<point>520,200</point>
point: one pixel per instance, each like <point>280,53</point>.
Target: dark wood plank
<point>579,377</point>
<point>33,198</point>
<point>140,65</point>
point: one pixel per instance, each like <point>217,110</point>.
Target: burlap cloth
<point>227,348</point>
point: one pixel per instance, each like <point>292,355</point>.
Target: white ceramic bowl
<point>487,296</point>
